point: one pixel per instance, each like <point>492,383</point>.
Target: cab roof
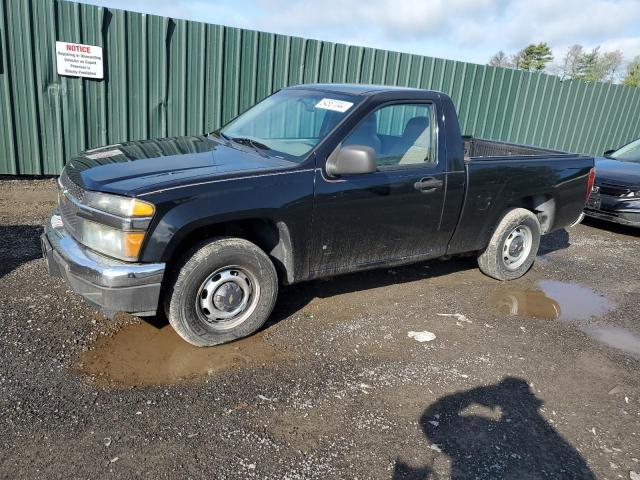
<point>353,89</point>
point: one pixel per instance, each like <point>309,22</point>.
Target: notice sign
<point>77,60</point>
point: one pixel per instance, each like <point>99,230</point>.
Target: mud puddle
<point>552,300</point>
<point>142,354</point>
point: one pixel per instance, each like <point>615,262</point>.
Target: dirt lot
<point>537,378</point>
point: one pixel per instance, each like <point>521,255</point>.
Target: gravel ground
<point>357,376</point>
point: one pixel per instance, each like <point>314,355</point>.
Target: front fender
<point>279,199</point>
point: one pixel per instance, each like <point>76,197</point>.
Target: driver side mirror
<point>352,160</point>
<point>608,153</point>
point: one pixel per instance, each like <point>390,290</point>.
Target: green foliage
<point>577,63</point>
<point>633,73</point>
<point>595,66</point>
<point>587,66</point>
<point>534,57</point>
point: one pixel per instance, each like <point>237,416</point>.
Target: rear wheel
<point>513,246</point>
<point>224,289</point>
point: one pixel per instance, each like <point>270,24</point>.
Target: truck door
<point>393,214</point>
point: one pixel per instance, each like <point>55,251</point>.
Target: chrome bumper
<point>112,285</point>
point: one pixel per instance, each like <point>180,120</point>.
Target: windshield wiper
<point>219,134</point>
<point>248,141</point>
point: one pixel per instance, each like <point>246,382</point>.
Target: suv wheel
<point>222,290</point>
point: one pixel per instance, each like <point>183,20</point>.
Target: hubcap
<point>227,297</point>
<point>517,247</point>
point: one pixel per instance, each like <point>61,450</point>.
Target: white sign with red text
<point>78,60</point>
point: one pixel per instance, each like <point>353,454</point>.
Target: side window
<point>400,134</point>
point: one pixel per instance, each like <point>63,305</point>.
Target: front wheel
<point>224,289</point>
<point>513,246</point>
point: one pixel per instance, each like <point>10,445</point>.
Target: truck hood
<point>615,172</point>
<point>139,166</point>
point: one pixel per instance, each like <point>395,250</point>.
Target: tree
<point>577,63</point>
<point>632,79</point>
<point>594,66</point>
<point>610,65</point>
<point>534,57</point>
<point>500,59</point>
<point>570,62</point>
<point>587,66</point>
<point>517,59</point>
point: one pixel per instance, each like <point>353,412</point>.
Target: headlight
<point>111,224</point>
<point>121,206</point>
<point>632,195</point>
<point>111,241</point>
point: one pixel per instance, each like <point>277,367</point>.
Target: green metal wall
<point>167,77</point>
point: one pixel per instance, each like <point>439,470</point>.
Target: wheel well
<point>272,238</point>
<point>543,206</point>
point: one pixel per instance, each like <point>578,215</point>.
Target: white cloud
<point>468,30</point>
<point>572,21</point>
<point>382,19</point>
<point>630,46</point>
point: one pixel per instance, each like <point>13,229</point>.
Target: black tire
<point>200,268</point>
<point>496,259</point>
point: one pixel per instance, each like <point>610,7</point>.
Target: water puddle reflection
<point>552,300</point>
<point>141,354</point>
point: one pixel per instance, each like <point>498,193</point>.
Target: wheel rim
<point>517,247</point>
<point>227,297</point>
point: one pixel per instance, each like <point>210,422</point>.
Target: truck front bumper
<point>613,209</point>
<point>109,284</point>
<point>628,218</point>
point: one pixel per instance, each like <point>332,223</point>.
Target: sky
<point>466,30</point>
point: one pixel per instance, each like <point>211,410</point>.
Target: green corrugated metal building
<point>166,77</point>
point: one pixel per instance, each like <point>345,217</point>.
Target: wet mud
<point>141,354</point>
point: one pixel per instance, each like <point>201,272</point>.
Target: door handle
<point>428,184</point>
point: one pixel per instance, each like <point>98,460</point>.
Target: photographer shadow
<point>19,244</point>
<point>494,432</point>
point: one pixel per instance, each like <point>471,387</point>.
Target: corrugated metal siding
<point>168,77</point>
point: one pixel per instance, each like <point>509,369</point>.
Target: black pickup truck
<point>314,181</point>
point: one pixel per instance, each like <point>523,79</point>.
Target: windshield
<point>628,153</point>
<point>289,123</point>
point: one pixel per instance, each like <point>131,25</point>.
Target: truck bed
<point>478,148</point>
<point>500,176</point>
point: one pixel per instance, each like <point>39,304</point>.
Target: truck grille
<point>68,210</point>
<point>72,188</point>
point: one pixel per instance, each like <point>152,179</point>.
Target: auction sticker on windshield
<point>335,105</point>
<point>106,154</point>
